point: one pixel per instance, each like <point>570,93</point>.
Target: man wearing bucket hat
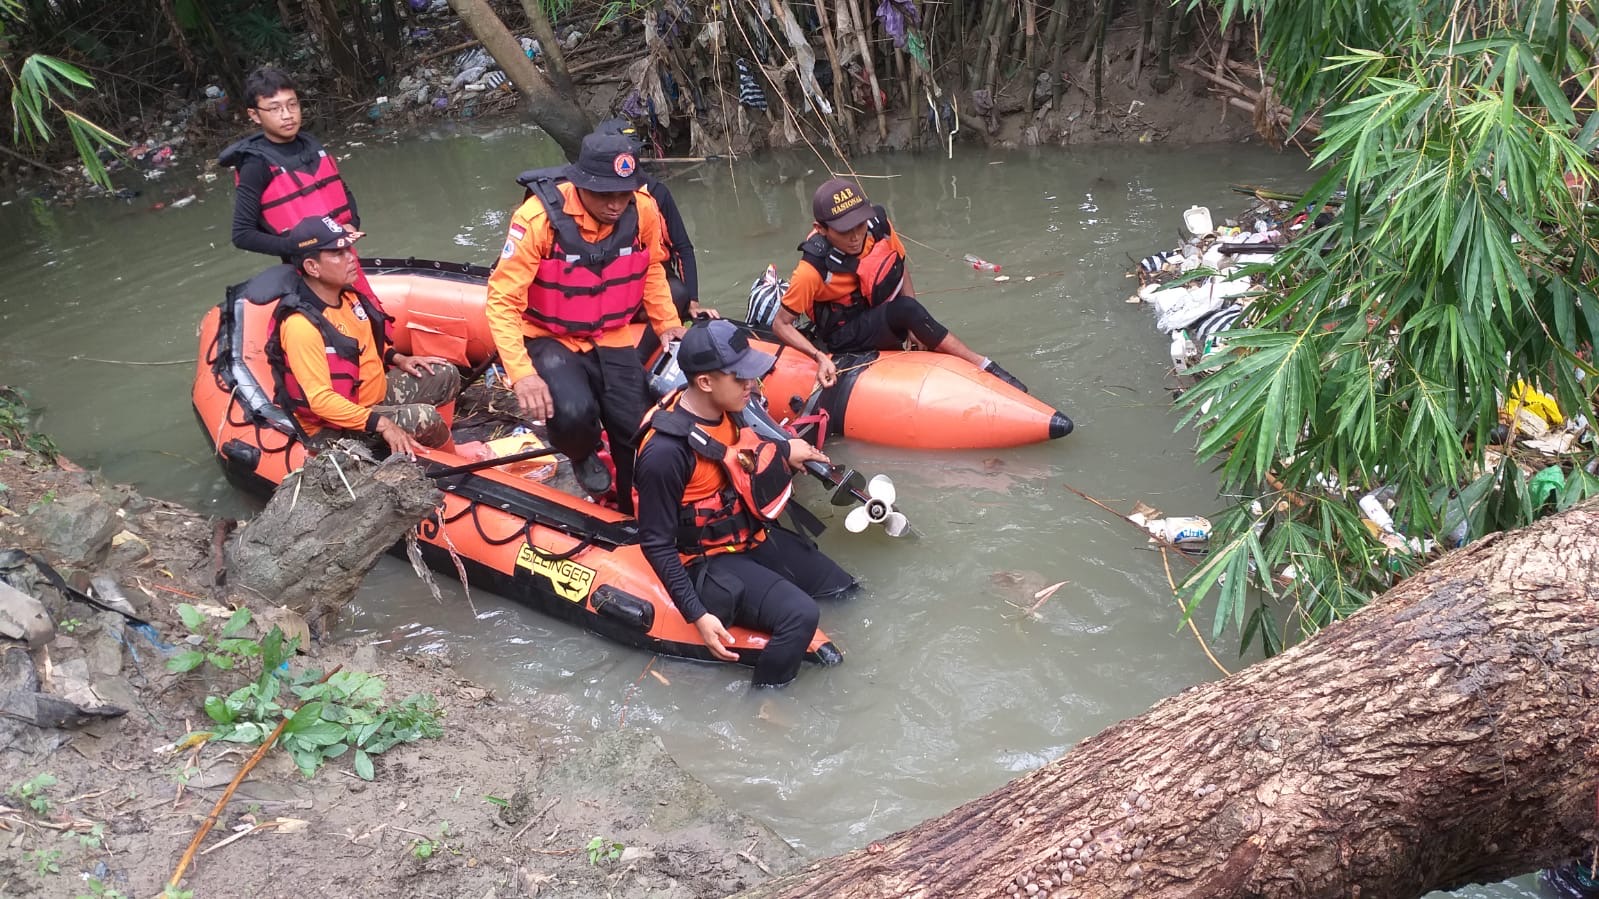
<point>584,253</point>
<point>709,494</point>
<point>329,347</point>
<point>852,284</point>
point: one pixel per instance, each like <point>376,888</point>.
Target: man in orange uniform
<point>329,348</point>
<point>852,284</point>
<point>584,253</point>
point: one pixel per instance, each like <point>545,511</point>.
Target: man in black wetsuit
<point>709,491</point>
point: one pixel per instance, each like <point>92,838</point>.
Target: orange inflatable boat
<point>916,400</point>
<point>515,528</point>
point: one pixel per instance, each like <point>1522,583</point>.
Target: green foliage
<point>222,647</point>
<point>39,85</point>
<point>45,862</point>
<point>16,428</point>
<point>32,792</point>
<point>70,625</point>
<point>604,849</point>
<point>172,892</point>
<point>343,713</point>
<point>1459,264</point>
<point>100,890</point>
<point>425,848</point>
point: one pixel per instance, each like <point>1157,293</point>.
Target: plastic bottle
<point>982,265</point>
<point>1182,530</point>
<point>1373,509</point>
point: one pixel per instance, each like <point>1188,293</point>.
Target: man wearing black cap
<point>681,271</point>
<point>330,345</point>
<point>709,492</point>
<point>583,255</point>
<point>852,284</point>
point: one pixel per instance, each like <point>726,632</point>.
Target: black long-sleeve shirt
<point>676,234</point>
<point>660,475</point>
<point>254,176</point>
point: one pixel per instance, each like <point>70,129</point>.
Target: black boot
<point>592,475</point>
<point>993,368</point>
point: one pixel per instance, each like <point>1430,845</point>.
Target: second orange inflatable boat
<point>917,400</point>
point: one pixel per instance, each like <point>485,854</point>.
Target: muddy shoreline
<point>503,804</point>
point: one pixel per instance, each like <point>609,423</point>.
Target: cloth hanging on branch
<point>894,14</point>
<point>749,90</point>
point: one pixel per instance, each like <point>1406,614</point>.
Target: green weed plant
<point>336,715</point>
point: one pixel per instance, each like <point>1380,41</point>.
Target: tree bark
<point>323,530</point>
<point>550,47</point>
<point>1442,736</point>
<point>340,53</point>
<point>559,116</point>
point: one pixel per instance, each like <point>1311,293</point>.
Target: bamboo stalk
<point>1030,63</point>
<point>861,24</point>
<point>831,46</point>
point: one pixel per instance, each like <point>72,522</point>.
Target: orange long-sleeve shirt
<point>509,284</point>
<point>307,357</point>
<point>806,287</point>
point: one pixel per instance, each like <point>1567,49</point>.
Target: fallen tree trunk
<point>1444,735</point>
<point>323,530</point>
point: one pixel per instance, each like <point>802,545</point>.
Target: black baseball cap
<point>318,232</point>
<point>607,163</point>
<point>720,345</point>
<point>840,205</point>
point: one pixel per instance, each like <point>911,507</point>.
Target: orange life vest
<point>753,488</point>
<point>879,273</point>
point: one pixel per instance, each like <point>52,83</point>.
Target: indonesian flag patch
<point>517,232</point>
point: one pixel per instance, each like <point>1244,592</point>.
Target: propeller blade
<point>857,520</point>
<point>896,524</point>
<point>881,488</point>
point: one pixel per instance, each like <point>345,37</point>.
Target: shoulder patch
<point>508,250</point>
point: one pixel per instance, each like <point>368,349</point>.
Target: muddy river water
<point>947,689</point>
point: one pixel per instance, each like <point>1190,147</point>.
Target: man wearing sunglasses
<point>282,175</point>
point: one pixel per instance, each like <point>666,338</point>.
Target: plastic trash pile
<point>1199,289</point>
<point>461,84</point>
<point>1203,288</point>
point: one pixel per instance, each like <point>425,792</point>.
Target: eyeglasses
<point>292,107</point>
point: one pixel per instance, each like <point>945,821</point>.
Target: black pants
<point>650,342</point>
<point>772,588</point>
<point>603,386</point>
<point>884,328</point>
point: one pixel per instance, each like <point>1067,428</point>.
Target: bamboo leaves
<point>1456,269</point>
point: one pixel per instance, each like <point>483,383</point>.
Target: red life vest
<point>293,194</point>
<point>756,484</point>
<point>344,353</point>
<point>879,273</point>
<point>583,288</point>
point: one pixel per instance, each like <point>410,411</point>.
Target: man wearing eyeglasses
<point>282,175</point>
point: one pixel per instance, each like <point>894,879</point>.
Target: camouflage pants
<point>412,404</point>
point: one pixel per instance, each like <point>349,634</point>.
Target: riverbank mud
<point>104,799</point>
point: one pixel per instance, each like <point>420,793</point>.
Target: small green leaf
<point>219,660</point>
<point>186,661</point>
<point>192,618</point>
<point>363,765</point>
<point>217,708</point>
<point>238,622</point>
